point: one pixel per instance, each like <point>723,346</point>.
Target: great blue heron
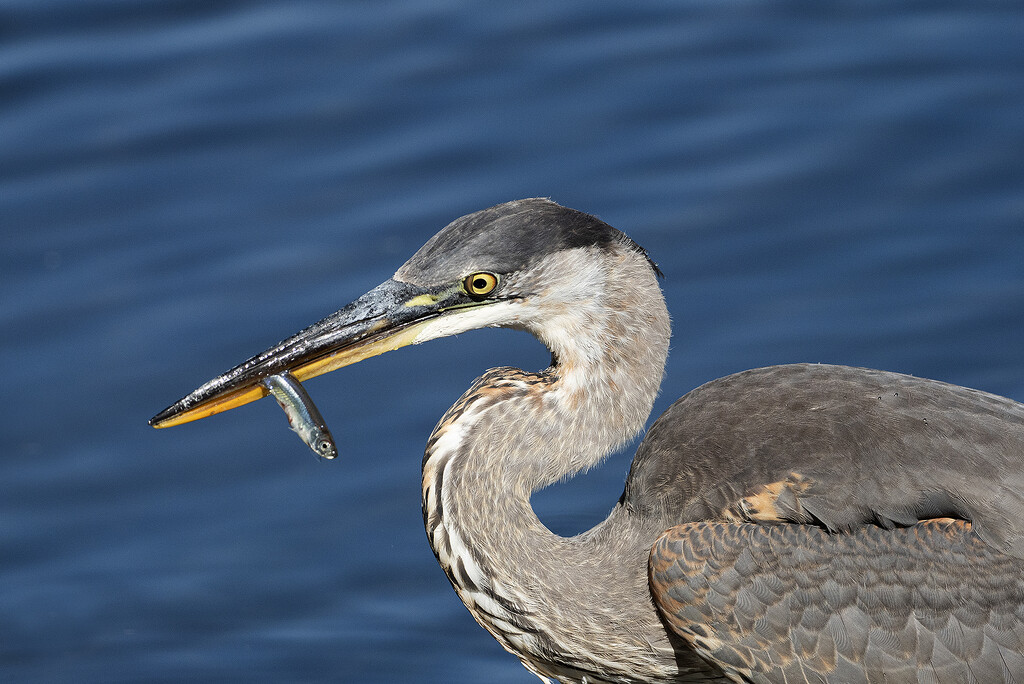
<point>793,523</point>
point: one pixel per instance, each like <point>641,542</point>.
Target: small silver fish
<point>303,416</point>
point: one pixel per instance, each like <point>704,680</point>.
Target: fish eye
<point>480,285</point>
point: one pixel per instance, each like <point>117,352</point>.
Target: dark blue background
<point>184,183</point>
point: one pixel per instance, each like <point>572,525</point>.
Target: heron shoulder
<point>838,447</point>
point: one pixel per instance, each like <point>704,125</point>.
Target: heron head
<point>521,264</point>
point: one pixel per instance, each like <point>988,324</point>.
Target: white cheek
<point>500,313</point>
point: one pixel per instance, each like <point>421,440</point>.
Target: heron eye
<point>480,284</point>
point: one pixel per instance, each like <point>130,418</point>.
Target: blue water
<point>184,183</point>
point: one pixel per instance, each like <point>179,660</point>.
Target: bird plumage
<point>772,603</point>
<point>838,447</point>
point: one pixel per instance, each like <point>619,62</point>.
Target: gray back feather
<point>844,447</point>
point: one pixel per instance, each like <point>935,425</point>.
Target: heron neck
<point>608,358</point>
<point>515,432</point>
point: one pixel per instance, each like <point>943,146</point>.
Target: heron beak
<point>387,317</point>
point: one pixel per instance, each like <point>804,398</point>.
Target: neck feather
<point>515,432</point>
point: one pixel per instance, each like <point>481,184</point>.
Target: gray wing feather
<point>774,603</point>
<point>835,447</point>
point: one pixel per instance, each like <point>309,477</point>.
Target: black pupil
<point>479,283</point>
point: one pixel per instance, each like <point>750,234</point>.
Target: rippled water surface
<point>184,183</point>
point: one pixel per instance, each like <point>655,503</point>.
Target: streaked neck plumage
<point>514,432</point>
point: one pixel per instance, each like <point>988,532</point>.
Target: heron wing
<point>835,447</point>
<point>795,603</point>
